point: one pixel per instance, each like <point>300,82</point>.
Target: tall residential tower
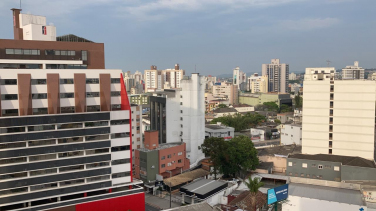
<point>278,75</point>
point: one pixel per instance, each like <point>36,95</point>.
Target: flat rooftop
<point>324,193</point>
<point>217,127</point>
<point>345,160</point>
<point>204,188</point>
<point>161,146</point>
<point>284,150</point>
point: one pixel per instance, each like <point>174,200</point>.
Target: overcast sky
<point>214,35</point>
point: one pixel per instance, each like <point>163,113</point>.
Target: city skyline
<point>302,33</point>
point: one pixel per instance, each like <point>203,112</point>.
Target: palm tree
<point>253,186</point>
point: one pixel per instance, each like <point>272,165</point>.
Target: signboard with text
<point>278,194</point>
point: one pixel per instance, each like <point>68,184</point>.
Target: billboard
<point>278,194</point>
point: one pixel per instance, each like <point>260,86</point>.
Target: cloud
<point>308,23</point>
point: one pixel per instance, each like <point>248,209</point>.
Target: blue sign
<point>278,194</point>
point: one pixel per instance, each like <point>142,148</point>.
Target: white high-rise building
<point>292,76</point>
<point>258,84</point>
<point>278,75</point>
<point>179,115</point>
<point>239,78</point>
<point>338,115</point>
<point>210,81</point>
<point>353,72</point>
<point>163,79</point>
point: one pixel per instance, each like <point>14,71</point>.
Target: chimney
<point>176,66</point>
<point>151,139</point>
<point>17,31</point>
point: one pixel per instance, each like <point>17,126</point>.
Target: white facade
<point>292,76</point>
<point>136,126</point>
<point>163,79</point>
<point>338,115</point>
<point>278,75</point>
<point>239,77</point>
<point>353,72</point>
<point>258,84</point>
<point>291,134</point>
<point>219,131</point>
<point>210,81</point>
<point>35,28</point>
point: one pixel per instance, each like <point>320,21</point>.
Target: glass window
<point>115,107</point>
<point>57,53</point>
<point>96,124</point>
<point>92,94</point>
<point>18,51</point>
<point>35,52</point>
<point>38,81</point>
<point>120,148</point>
<point>41,127</point>
<point>72,182</point>
<point>93,179</point>
<point>43,186</point>
<point>71,154</point>
<point>43,172</point>
<point>94,108</point>
<point>42,157</point>
<point>39,111</point>
<point>67,81</point>
<point>97,165</point>
<point>9,97</point>
<point>13,160</point>
<point>92,81</point>
<point>97,151</point>
<point>39,96</point>
<point>121,161</point>
<point>9,112</point>
<point>120,122</point>
<point>49,52</point>
<point>13,176</point>
<point>69,125</point>
<point>71,53</point>
<point>13,191</point>
<point>12,130</point>
<point>8,81</point>
<point>84,55</point>
<point>71,168</point>
<point>9,51</point>
<point>69,109</point>
<point>12,145</point>
<point>27,52</point>
<point>115,80</point>
<point>119,135</point>
<point>163,165</point>
<point>70,140</point>
<point>96,137</point>
<point>123,174</point>
<point>115,94</point>
<point>63,53</point>
<point>42,142</point>
<point>67,95</point>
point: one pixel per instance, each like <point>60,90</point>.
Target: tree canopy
<point>240,122</point>
<point>222,106</point>
<point>298,100</point>
<point>271,106</point>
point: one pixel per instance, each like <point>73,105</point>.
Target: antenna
<point>328,62</point>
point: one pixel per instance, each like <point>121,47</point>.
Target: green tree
<point>277,121</point>
<point>298,100</point>
<point>213,147</point>
<point>271,106</point>
<point>284,108</point>
<point>254,186</point>
<point>222,106</point>
<point>240,122</point>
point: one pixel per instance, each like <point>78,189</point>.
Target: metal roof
<point>326,193</point>
<point>345,160</point>
<point>72,38</point>
<point>204,188</point>
<point>185,177</point>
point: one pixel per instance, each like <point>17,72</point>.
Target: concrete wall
<point>295,168</point>
<point>279,163</point>
<point>291,134</point>
<point>151,160</point>
<point>357,173</point>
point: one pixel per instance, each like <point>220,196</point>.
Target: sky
<point>214,36</point>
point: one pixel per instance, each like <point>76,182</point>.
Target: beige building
<point>278,75</point>
<point>258,84</point>
<point>226,91</point>
<point>137,141</point>
<point>163,79</point>
<point>338,115</point>
<point>353,72</point>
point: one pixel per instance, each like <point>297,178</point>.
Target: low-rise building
<point>219,112</point>
<point>285,117</point>
<point>159,159</point>
<point>256,99</point>
<point>291,134</point>
<point>244,108</point>
<point>218,130</point>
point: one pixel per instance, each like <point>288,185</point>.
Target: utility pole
<point>170,185</point>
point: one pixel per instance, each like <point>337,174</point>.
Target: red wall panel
<point>134,202</point>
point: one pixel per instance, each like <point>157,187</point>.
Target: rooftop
<point>161,146</point>
<point>265,165</point>
<point>345,160</point>
<point>185,177</point>
<point>332,194</point>
<point>284,150</point>
<point>204,188</point>
<point>216,127</point>
<point>245,199</point>
<point>72,38</point>
<point>224,110</point>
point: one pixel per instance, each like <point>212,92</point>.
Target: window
<point>18,51</point>
<point>331,104</point>
<point>71,168</point>
<point>307,175</point>
<point>330,128</point>
<point>71,154</point>
<point>96,124</point>
<point>12,130</point>
<point>120,122</point>
<point>93,108</point>
<point>92,94</point>
<point>119,135</point>
<point>97,165</point>
<point>330,136</point>
<point>163,157</point>
<point>65,110</point>
<point>290,163</point>
<point>84,55</point>
<point>180,153</point>
<point>97,151</point>
<point>328,166</point>
<point>41,127</point>
<point>67,95</point>
<point>330,120</point>
<point>304,165</point>
<point>115,80</point>
<point>42,172</point>
<point>9,112</point>
<point>121,161</point>
<point>72,182</point>
<point>314,165</point>
<point>330,151</point>
<point>163,165</point>
<point>9,97</point>
<point>93,179</point>
<point>336,168</point>
<point>63,53</point>
<point>12,145</point>
<point>92,81</point>
<point>115,107</point>
<point>9,51</point>
<point>168,156</point>
<point>40,111</point>
<point>319,177</point>
<point>13,191</point>
<point>42,157</point>
<point>123,174</point>
<point>331,112</point>
<point>96,137</point>
<point>115,94</point>
<point>67,81</point>
<point>42,142</point>
<point>302,175</point>
<point>330,143</point>
<point>179,161</point>
<point>331,96</point>
<point>69,125</point>
<point>8,81</point>
<point>70,140</point>
<point>332,88</point>
<point>320,166</point>
<point>38,81</point>
<point>13,176</point>
<point>43,186</point>
<point>120,148</point>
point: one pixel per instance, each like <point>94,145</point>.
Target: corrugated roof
<point>185,177</point>
<point>245,199</point>
<point>284,150</point>
<point>326,193</point>
<point>345,160</point>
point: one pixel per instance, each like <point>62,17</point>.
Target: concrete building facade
<point>291,134</point>
<point>292,76</point>
<point>163,79</point>
<point>353,72</point>
<point>278,75</point>
<point>239,78</point>
<point>219,131</point>
<point>256,99</point>
<point>258,84</point>
<point>226,91</point>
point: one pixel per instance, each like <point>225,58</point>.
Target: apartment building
<point>291,134</point>
<point>239,79</point>
<point>65,141</point>
<point>258,84</point>
<point>278,75</point>
<point>226,91</point>
<point>339,115</point>
<point>353,72</point>
<point>179,115</point>
<point>136,114</point>
<point>292,76</point>
<point>163,79</point>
